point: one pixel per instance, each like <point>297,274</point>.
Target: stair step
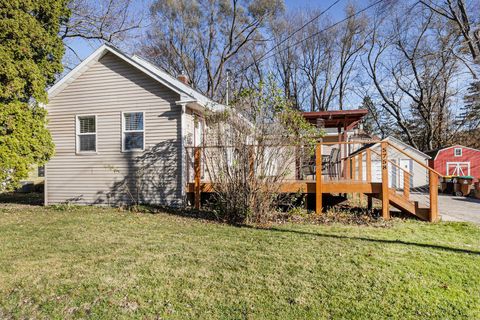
<point>421,212</point>
<point>406,205</point>
<point>400,202</point>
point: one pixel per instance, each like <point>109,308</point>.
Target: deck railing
<point>401,175</point>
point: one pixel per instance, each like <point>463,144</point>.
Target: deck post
<point>360,173</point>
<point>433,185</point>
<point>369,202</point>
<point>385,191</point>
<point>197,177</point>
<point>360,167</point>
<point>346,154</point>
<point>318,177</point>
<point>340,150</point>
<point>353,168</point>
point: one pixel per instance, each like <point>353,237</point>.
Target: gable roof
<point>402,145</point>
<point>434,153</point>
<point>407,147</point>
<point>187,93</point>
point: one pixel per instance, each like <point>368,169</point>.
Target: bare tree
<point>286,60</point>
<point>317,64</point>
<point>412,69</point>
<point>249,156</point>
<point>466,19</point>
<point>352,41</point>
<point>315,67</point>
<point>203,38</point>
<point>100,20</point>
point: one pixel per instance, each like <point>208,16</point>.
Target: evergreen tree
<point>377,121</point>
<point>30,56</point>
<point>471,110</point>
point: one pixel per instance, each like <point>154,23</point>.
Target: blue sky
<point>84,48</point>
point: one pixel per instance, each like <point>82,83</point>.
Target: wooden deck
<point>359,183</point>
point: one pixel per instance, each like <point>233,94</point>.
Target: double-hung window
<point>133,131</point>
<point>87,134</point>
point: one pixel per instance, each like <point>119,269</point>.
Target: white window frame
<point>78,134</point>
<point>455,152</point>
<point>129,131</point>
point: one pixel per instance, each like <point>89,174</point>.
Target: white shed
<point>418,174</point>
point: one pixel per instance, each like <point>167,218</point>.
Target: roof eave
<point>97,55</point>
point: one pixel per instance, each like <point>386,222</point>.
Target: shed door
<point>406,164</point>
<point>458,168</point>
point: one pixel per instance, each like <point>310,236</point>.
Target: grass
<point>98,263</point>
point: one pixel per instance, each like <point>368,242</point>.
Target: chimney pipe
<point>183,78</point>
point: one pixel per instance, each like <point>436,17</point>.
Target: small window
<point>458,152</point>
<point>86,134</point>
<point>41,171</point>
<point>133,136</point>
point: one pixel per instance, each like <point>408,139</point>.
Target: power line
<point>265,56</point>
<point>300,29</point>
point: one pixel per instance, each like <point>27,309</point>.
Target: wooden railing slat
<point>385,191</point>
<point>318,177</point>
<point>433,186</point>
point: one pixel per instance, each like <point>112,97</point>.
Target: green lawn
<point>104,263</point>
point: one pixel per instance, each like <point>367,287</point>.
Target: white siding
<point>109,87</point>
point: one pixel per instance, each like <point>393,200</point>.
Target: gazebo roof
<point>336,118</point>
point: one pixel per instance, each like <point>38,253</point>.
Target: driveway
<point>459,208</point>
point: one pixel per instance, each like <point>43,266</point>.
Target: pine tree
<point>376,121</point>
<point>30,56</point>
<point>471,110</point>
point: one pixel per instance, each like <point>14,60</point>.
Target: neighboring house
<point>456,161</point>
<point>418,174</point>
<point>120,126</point>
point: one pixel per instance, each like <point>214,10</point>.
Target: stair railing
<point>433,178</point>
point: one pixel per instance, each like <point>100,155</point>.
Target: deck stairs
<point>406,205</point>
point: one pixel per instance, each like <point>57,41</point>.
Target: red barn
<point>456,161</point>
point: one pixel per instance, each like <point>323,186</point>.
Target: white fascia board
<point>402,145</point>
<point>100,52</point>
<point>408,147</point>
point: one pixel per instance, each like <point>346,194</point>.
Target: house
<point>456,160</point>
<point>120,126</point>
<point>124,129</point>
